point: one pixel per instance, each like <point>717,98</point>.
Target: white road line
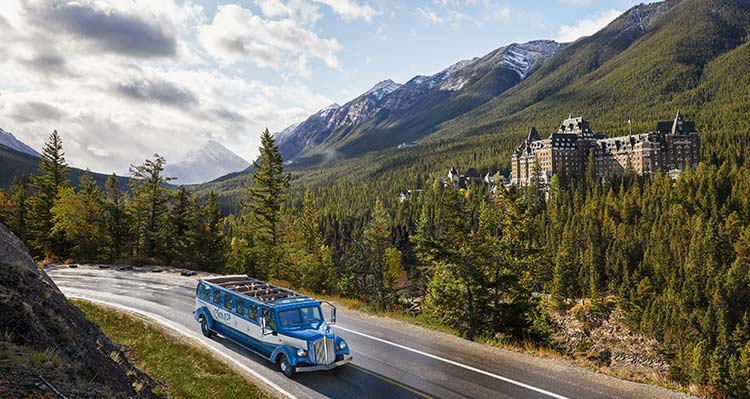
<point>474,369</point>
<point>179,329</point>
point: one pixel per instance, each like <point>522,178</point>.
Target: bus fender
<point>289,352</point>
<point>203,313</point>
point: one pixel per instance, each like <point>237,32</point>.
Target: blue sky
<point>407,38</point>
<point>123,79</point>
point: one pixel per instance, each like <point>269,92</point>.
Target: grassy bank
<point>187,370</point>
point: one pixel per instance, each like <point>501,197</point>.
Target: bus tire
<point>205,330</point>
<point>286,367</point>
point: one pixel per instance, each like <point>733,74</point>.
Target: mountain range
<point>391,113</point>
<point>205,164</point>
<point>649,63</point>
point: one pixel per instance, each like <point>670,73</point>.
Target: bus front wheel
<point>286,367</point>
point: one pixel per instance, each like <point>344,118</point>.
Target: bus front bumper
<point>323,367</point>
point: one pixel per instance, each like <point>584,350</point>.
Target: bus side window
<point>217,296</point>
<point>270,320</point>
<point>239,306</point>
<point>228,302</point>
<point>252,312</point>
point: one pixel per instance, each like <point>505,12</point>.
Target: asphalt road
<point>391,359</point>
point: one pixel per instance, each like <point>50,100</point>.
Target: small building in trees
<point>458,180</point>
<point>673,146</point>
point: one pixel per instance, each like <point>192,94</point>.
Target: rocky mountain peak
<point>207,163</point>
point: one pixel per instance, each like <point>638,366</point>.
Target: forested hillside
<point>673,256</point>
<point>15,164</point>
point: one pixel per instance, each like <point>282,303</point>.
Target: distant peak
<point>214,144</point>
<point>387,85</point>
<point>330,107</point>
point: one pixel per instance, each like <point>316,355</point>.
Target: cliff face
<point>46,342</point>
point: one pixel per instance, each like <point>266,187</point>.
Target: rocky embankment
<point>603,339</point>
<point>47,347</point>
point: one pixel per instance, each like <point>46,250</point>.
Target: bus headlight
<point>301,352</point>
<point>342,345</point>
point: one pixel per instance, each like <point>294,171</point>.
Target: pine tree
<point>150,197</point>
<point>116,220</point>
<point>317,272</point>
<point>52,177</point>
<point>376,239</point>
<point>265,202</point>
<point>181,230</point>
<point>563,284</point>
<point>212,245</point>
<point>5,208</point>
<point>77,217</point>
<point>18,207</point>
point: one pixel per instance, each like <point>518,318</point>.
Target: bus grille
<point>324,352</point>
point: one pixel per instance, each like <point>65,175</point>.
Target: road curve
<point>392,359</point>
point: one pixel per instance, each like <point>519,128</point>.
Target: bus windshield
<point>300,316</point>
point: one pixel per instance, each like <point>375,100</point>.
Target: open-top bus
<point>281,325</point>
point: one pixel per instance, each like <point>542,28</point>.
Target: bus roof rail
<point>254,289</point>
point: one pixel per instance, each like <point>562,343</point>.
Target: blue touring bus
<point>281,325</point>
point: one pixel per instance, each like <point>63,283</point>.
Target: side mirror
<point>333,312</point>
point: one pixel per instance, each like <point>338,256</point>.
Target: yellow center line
<point>392,382</point>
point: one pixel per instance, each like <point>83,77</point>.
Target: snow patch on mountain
<point>382,89</point>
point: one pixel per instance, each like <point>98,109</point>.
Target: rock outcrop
<point>47,347</point>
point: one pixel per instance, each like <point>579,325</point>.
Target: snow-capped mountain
<point>316,128</point>
<point>389,104</point>
<point>7,139</point>
<point>206,164</point>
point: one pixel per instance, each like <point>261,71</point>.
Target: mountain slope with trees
<point>15,164</point>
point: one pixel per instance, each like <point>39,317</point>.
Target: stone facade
<point>673,146</point>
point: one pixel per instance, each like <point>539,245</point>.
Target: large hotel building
<point>673,146</point>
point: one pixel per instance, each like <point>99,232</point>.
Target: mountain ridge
<point>8,140</point>
<point>333,129</point>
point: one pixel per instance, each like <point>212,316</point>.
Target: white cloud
<point>302,11</point>
<point>586,26</point>
<point>116,103</point>
<point>429,16</point>
<point>274,8</point>
<point>456,13</point>
<point>349,9</point>
<point>236,34</point>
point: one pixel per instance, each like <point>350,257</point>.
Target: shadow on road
<point>349,381</point>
